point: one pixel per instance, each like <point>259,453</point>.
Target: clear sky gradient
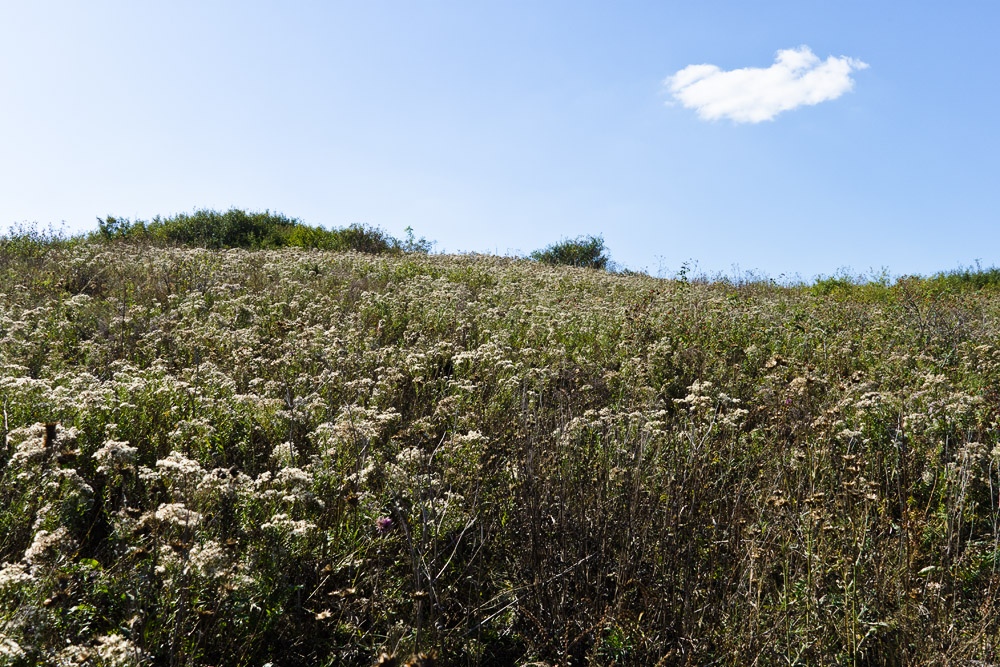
<point>505,126</point>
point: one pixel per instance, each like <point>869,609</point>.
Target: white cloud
<point>754,94</point>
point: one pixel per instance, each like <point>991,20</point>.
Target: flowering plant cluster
<point>308,458</point>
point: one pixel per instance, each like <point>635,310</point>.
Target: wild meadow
<point>297,457</point>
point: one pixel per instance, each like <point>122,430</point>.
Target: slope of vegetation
<point>302,457</point>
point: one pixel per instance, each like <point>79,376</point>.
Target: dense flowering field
<point>307,458</point>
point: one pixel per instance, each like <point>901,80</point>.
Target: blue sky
<point>502,127</point>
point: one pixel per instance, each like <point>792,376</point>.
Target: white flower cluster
<point>178,515</point>
<point>181,473</point>
<point>48,547</point>
<point>10,649</point>
<point>409,472</point>
<point>285,524</point>
<point>74,655</point>
<point>704,401</point>
<point>221,483</point>
<point>210,560</point>
<point>354,424</point>
<point>284,453</point>
<point>30,449</point>
<point>699,399</point>
<point>118,651</point>
<point>34,451</point>
<point>13,575</point>
<point>115,456</point>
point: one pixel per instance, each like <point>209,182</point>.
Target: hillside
<point>306,457</point>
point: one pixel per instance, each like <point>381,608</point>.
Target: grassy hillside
<point>302,457</point>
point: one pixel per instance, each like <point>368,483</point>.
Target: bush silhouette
<point>966,278</point>
<point>236,228</point>
<point>585,251</point>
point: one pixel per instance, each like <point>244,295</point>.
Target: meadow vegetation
<point>296,456</point>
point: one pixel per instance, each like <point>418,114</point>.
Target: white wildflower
<point>115,456</point>
<point>71,489</point>
<point>47,547</point>
<point>472,437</point>
<point>30,449</point>
<point>209,559</point>
<point>14,574</point>
<point>166,560</point>
<point>192,430</point>
<point>284,453</point>
<point>293,478</point>
<point>222,482</point>
<point>74,656</point>
<point>411,458</point>
<point>354,424</point>
<point>699,397</point>
<point>178,515</point>
<point>182,473</point>
<point>362,476</point>
<point>284,523</point>
<point>117,651</point>
<point>734,418</point>
<point>10,649</point>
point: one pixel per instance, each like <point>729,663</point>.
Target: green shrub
<point>111,228</point>
<point>363,239</point>
<point>412,244</point>
<point>26,244</point>
<point>232,229</point>
<point>967,278</point>
<point>825,285</point>
<point>585,251</point>
<point>253,230</point>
